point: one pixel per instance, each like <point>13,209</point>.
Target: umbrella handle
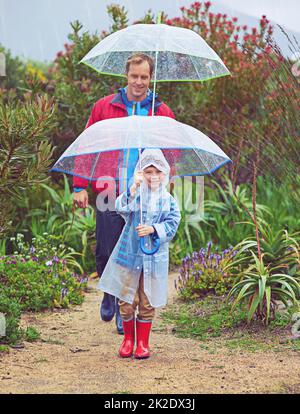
<point>156,243</point>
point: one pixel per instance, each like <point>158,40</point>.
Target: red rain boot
<point>142,339</point>
<point>126,348</point>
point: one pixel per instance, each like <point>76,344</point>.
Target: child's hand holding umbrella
<point>138,179</point>
<point>144,230</point>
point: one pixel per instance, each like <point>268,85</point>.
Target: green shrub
<point>206,272</point>
<point>36,286</point>
<point>50,218</point>
<point>260,286</point>
<point>31,334</point>
<point>37,277</point>
<point>12,313</point>
<point>279,248</point>
<point>25,155</point>
<point>208,317</point>
<point>225,223</point>
<point>46,247</point>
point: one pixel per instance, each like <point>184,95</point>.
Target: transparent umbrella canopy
<point>179,53</point>
<point>97,154</point>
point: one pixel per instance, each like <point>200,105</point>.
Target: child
<point>132,276</point>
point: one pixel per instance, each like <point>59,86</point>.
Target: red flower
<point>196,5</point>
<point>191,13</point>
<point>268,49</point>
<point>234,19</point>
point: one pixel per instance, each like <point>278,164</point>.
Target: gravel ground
<point>78,353</point>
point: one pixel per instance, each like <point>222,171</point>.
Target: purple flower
<point>83,279</point>
<point>49,263</point>
<point>64,292</point>
<point>55,259</point>
<point>32,249</point>
<point>209,247</point>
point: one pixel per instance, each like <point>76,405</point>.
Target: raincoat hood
<point>156,158</point>
<point>153,157</point>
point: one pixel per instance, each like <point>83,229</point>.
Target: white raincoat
<point>123,270</point>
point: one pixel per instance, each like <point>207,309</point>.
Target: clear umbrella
<point>97,154</point>
<point>98,151</point>
<point>179,54</point>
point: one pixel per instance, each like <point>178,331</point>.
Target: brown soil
<point>78,353</point>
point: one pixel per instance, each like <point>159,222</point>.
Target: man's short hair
<point>137,59</point>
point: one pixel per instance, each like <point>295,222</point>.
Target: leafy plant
<point>83,226</point>
<point>206,318</point>
<point>12,313</point>
<point>36,285</point>
<point>36,279</point>
<point>206,272</point>
<point>56,216</point>
<point>261,286</point>
<point>47,248</point>
<point>15,72</point>
<point>280,250</point>
<point>31,334</point>
<point>25,153</point>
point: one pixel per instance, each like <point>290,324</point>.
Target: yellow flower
<point>35,73</point>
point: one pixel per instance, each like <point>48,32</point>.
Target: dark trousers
<point>109,226</point>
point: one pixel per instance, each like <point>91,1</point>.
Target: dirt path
<point>78,354</point>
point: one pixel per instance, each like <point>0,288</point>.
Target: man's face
<point>138,78</point>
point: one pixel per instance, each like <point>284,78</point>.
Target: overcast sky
<point>38,29</point>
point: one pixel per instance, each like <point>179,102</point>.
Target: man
<point>134,99</point>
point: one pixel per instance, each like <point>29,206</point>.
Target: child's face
<point>153,177</point>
